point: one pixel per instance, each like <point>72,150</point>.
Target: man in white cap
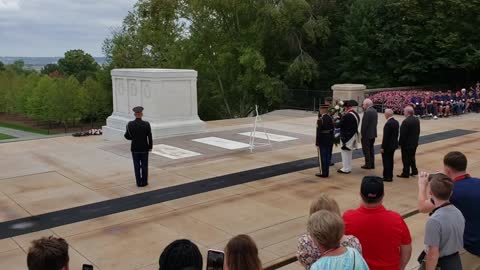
<point>348,135</point>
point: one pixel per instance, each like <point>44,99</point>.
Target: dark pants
<point>433,109</point>
<point>324,159</point>
<point>451,262</point>
<point>456,109</point>
<point>408,160</point>
<point>419,110</point>
<point>140,165</point>
<point>387,159</point>
<point>368,152</point>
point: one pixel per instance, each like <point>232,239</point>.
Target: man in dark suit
<point>368,133</point>
<point>324,140</point>
<point>409,135</point>
<point>389,145</point>
<point>140,133</point>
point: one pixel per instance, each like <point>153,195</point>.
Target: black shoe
<point>331,164</point>
<point>414,174</point>
<point>365,167</point>
<point>403,176</point>
<point>387,180</point>
<point>340,171</point>
<point>321,175</point>
<point>144,185</point>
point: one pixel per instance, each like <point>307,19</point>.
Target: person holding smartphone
<point>445,227</point>
<point>181,254</point>
<point>48,253</point>
<point>465,197</point>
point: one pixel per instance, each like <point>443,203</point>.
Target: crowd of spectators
<point>368,237</point>
<point>431,104</point>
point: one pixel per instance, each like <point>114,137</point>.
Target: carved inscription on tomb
<point>132,88</point>
<point>146,90</point>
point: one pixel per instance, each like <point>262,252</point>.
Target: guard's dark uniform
<point>140,133</point>
<point>324,142</point>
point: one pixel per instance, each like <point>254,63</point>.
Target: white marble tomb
<point>169,97</point>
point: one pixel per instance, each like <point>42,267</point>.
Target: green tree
<point>2,66</point>
<point>37,105</point>
<point>96,101</point>
<point>65,101</point>
<point>246,52</point>
<point>405,42</point>
<point>79,64</point>
<point>50,69</point>
<point>18,66</point>
<point>31,82</point>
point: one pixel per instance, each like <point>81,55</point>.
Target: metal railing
<point>306,99</point>
<point>292,259</point>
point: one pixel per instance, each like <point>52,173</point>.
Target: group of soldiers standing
<point>405,136</point>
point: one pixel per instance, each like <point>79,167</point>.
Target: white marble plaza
<point>222,143</point>
<point>173,152</point>
<point>272,137</point>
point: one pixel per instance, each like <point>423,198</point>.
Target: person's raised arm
<point>424,204</point>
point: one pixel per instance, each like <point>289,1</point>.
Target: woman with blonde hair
<point>241,253</point>
<point>326,229</point>
<point>307,251</point>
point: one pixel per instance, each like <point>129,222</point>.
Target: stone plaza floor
<point>43,176</point>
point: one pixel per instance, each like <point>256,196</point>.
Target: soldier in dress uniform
<point>324,140</point>
<point>140,133</point>
<point>348,135</point>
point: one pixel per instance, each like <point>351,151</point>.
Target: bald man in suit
<point>389,145</point>
<point>368,133</point>
<point>409,136</point>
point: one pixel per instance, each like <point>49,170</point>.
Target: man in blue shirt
<point>449,100</point>
<point>431,105</point>
<point>443,107</point>
<point>466,197</point>
<point>418,105</point>
<point>472,96</point>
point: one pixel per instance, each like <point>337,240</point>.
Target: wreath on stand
<point>336,110</point>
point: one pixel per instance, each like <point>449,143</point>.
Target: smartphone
<point>87,267</point>
<point>215,260</point>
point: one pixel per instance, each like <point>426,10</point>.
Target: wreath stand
<point>258,121</point>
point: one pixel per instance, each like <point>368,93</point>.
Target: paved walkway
<point>20,135</point>
<point>48,175</point>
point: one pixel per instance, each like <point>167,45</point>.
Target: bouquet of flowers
<point>336,110</point>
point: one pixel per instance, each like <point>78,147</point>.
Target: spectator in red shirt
<point>385,238</point>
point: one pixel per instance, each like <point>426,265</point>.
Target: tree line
<point>251,52</point>
<point>76,89</point>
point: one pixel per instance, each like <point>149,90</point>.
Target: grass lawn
<point>6,137</point>
<point>24,128</point>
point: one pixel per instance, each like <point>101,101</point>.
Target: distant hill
<point>38,63</point>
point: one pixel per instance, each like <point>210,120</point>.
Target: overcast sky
<point>51,27</point>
